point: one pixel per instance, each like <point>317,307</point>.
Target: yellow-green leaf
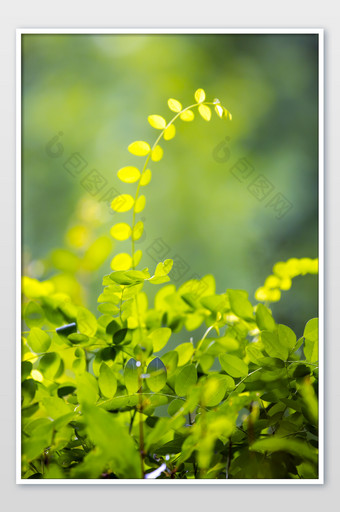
<point>139,148</point>
<point>146,177</point>
<point>170,132</point>
<point>219,110</point>
<point>233,365</point>
<point>200,95</point>
<point>128,174</point>
<point>205,112</point>
<point>156,372</point>
<point>107,381</point>
<point>174,105</point>
<point>122,203</point>
<point>38,340</point>
<point>184,351</point>
<point>137,257</point>
<point>131,376</point>
<point>157,154</point>
<point>140,204</point>
<point>185,380</point>
<point>137,230</point>
<point>188,115</point>
<point>121,231</point>
<point>160,338</point>
<point>157,122</point>
<point>86,322</point>
<point>122,261</point>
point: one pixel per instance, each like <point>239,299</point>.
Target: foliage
<point>104,397</point>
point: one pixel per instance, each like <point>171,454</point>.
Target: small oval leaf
<point>157,375</point>
<point>131,376</point>
<point>139,148</point>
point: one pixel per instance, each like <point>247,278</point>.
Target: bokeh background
<point>86,97</point>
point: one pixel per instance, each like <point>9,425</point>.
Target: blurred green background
<point>94,93</point>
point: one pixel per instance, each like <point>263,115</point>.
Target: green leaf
<point>161,272</point>
<point>38,340</point>
<point>131,376</point>
<point>311,335</point>
<point>86,322</point>
<point>185,352</point>
<point>114,442</point>
<point>49,365</point>
<point>119,336</point>
<point>34,315</point>
<point>130,276</point>
<point>233,365</point>
<point>214,389</point>
<point>275,346</point>
<point>240,304</point>
<point>26,368</point>
<point>170,360</point>
<point>157,375</point>
<point>120,402</point>
<point>87,388</point>
<point>107,381</point>
<point>287,337</point>
<point>185,380</point>
<point>264,318</point>
<point>292,446</point>
<point>159,338</point>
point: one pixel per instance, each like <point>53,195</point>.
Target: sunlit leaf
<point>188,115</point>
<point>185,380</point>
<point>200,95</point>
<point>131,376</point>
<point>34,315</point>
<point>170,132</point>
<point>157,375</point>
<point>138,230</point>
<point>116,446</point>
<point>185,352</point>
<point>139,148</point>
<point>107,381</point>
<point>145,178</point>
<point>159,338</point>
<point>128,174</point>
<point>240,304</point>
<point>121,231</point>
<point>157,122</point>
<point>86,322</point>
<point>122,261</point>
<point>157,154</point>
<point>219,110</point>
<point>174,105</point>
<point>122,203</point>
<point>87,388</point>
<point>233,365</point>
<point>311,335</point>
<point>137,257</point>
<point>140,204</point>
<point>205,112</point>
<point>38,340</point>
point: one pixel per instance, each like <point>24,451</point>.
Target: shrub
<point>105,398</point>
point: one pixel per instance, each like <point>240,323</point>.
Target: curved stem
<point>146,163</point>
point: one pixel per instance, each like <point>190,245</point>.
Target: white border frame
<point>320,33</point>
